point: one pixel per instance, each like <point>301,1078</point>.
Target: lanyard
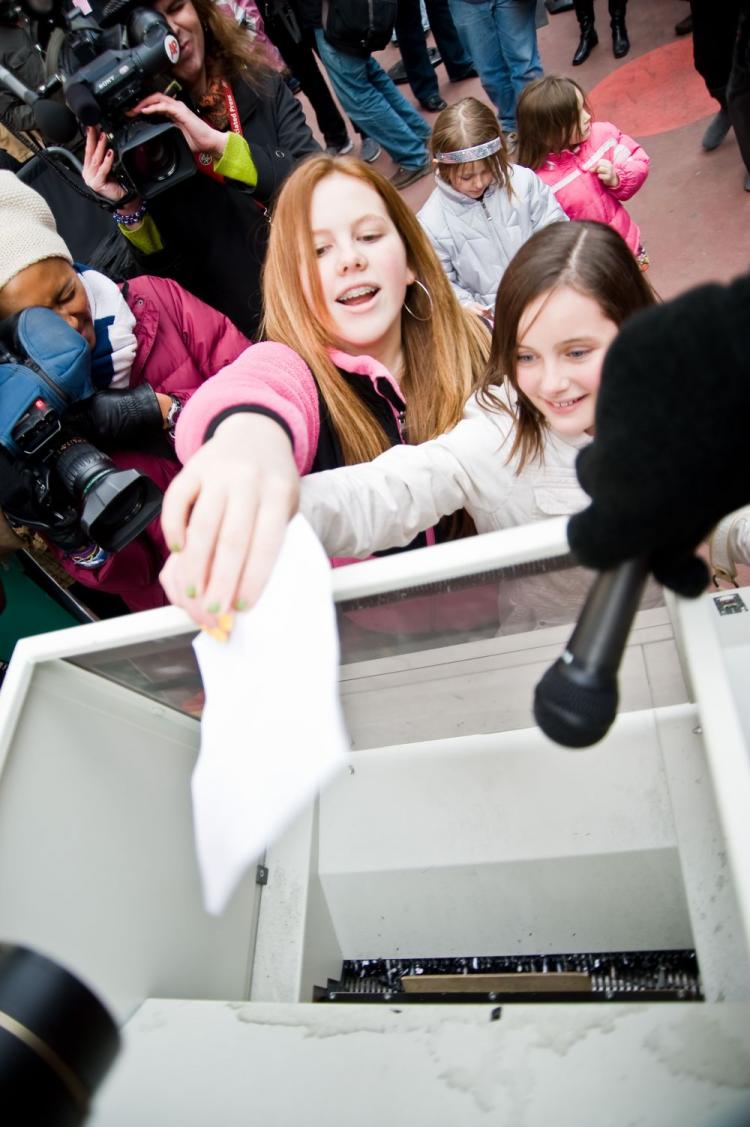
<point>204,161</point>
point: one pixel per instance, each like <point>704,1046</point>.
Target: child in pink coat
<point>590,166</point>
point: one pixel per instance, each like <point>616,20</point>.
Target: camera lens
<point>57,1041</point>
<point>155,160</point>
<point>116,505</point>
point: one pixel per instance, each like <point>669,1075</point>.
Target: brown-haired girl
<point>246,132</point>
<point>483,208</point>
<point>589,165</point>
<point>370,350</point>
<point>511,460</point>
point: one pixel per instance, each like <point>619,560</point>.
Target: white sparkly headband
<point>476,152</point>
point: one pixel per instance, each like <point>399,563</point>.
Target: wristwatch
<point>172,416</point>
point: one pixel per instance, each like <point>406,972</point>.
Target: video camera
<point>113,56</point>
<point>52,479</point>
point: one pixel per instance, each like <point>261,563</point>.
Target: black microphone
<point>53,120</point>
<point>83,103</point>
<point>23,93</point>
<point>576,700</point>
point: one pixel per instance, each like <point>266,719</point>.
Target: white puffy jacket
<point>357,510</point>
<point>476,239</point>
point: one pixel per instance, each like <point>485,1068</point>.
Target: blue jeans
<point>375,105</point>
<point>500,36</point>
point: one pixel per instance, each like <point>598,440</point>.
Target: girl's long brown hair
<point>466,123</point>
<point>445,350</point>
<point>547,115</point>
<point>588,257</point>
<point>230,51</point>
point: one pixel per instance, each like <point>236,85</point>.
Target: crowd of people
<point>295,335</point>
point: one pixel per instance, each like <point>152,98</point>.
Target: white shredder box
<point>456,829</point>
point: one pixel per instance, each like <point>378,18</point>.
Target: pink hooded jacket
<point>572,177</point>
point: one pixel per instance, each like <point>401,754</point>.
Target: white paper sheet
<point>272,731</point>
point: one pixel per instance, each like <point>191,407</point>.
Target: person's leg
<point>398,103</point>
<point>457,61</point>
<point>516,28</point>
<point>620,41</point>
<point>420,73</point>
<point>368,109</point>
<point>738,94</point>
<point>714,37</point>
<point>589,38</point>
<point>300,59</point>
<point>479,34</point>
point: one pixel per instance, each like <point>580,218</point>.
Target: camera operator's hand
<point>98,159</point>
<point>224,517</point>
<point>118,418</point>
<point>200,136</point>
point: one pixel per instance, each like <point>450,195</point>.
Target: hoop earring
<point>424,289</point>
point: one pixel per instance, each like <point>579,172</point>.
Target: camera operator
<point>246,132</point>
<point>151,345</point>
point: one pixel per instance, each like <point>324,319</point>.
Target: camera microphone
<point>83,103</point>
<point>576,700</point>
<point>53,120</point>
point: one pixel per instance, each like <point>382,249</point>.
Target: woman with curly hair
<point>246,132</point>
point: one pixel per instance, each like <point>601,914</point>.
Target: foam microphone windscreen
<point>83,103</point>
<point>55,121</point>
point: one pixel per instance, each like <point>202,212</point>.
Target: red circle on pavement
<point>654,93</point>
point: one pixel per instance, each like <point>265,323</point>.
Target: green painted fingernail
<point>191,592</point>
<point>175,547</point>
<point>213,608</point>
<point>240,604</point>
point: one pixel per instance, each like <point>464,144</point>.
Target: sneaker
<point>717,130</point>
<point>340,150</point>
<point>370,150</point>
<point>404,176</point>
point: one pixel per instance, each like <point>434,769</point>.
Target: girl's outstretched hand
<point>224,517</point>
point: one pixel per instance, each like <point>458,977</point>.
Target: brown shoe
<point>404,176</point>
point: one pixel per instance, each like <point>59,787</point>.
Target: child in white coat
<point>483,207</point>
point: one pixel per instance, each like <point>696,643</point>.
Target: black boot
<point>587,42</point>
<point>620,41</point>
<point>589,38</point>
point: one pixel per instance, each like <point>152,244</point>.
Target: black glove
<point>117,419</point>
<point>670,456</point>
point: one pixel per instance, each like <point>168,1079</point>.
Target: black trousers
<point>411,43</point>
<point>738,86</point>
<point>714,38</point>
<point>585,9</point>
<point>300,57</point>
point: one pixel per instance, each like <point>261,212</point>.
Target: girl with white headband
<point>483,207</point>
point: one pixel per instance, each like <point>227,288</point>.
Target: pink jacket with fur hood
<point>572,177</point>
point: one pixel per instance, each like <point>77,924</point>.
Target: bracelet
<point>130,219</point>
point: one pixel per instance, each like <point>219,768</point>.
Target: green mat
<point>29,610</point>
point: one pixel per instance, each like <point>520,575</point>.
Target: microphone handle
<point>599,638</point>
<point>11,83</point>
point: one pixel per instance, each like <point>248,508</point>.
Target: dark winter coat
<point>215,233</point>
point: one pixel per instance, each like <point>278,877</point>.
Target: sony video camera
<point>51,479</point>
<point>102,82</point>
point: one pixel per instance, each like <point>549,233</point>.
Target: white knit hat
<point>28,233</point>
